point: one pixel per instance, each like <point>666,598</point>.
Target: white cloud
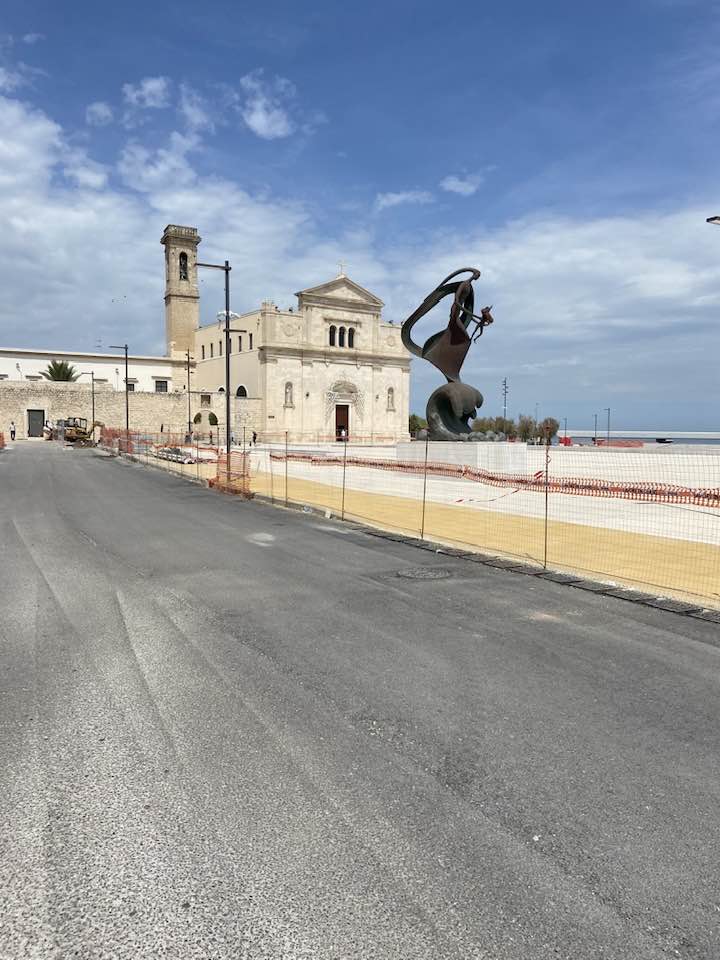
<point>152,93</point>
<point>98,114</point>
<point>264,108</point>
<point>83,171</point>
<point>385,200</point>
<point>147,170</point>
<point>465,186</point>
<point>194,109</point>
<point>33,38</point>
<point>10,80</point>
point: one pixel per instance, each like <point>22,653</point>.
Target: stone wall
<point>149,412</point>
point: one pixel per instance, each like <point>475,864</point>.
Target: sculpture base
<point>449,410</point>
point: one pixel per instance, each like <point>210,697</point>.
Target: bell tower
<point>182,299</point>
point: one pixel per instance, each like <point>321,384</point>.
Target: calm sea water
<point>677,441</point>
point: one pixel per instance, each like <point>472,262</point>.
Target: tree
<point>548,428</point>
<point>213,419</point>
<point>416,423</point>
<point>527,428</point>
<point>482,424</point>
<point>197,418</point>
<point>60,370</point>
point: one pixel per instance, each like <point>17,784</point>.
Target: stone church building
<point>330,368</point>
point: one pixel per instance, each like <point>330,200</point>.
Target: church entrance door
<point>342,421</point>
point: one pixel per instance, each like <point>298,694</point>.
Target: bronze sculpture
<point>451,406</point>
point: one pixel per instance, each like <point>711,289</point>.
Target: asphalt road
<point>233,731</point>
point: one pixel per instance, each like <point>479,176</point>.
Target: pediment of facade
<point>341,290</point>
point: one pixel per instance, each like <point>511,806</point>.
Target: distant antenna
<point>505,392</point>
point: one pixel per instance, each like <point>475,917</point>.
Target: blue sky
<point>568,150</point>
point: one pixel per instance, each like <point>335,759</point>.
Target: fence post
<point>422,522</point>
<point>286,468</point>
<point>547,494</point>
<point>342,510</point>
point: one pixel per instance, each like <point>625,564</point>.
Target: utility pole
<point>595,434</point>
<point>565,428</point>
<point>505,396</point>
<point>607,410</point>
<point>124,347</point>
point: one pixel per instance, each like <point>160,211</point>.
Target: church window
<point>219,348</point>
<point>250,347</point>
<point>239,344</point>
<point>183,266</point>
<point>204,399</point>
<point>212,350</point>
<point>341,337</point>
<point>333,331</point>
<point>161,386</point>
<point>221,389</point>
<point>351,337</point>
<point>130,386</point>
<point>390,398</point>
<point>203,351</point>
<point>288,394</point>
<point>241,391</point>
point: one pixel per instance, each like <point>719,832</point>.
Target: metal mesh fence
<point>193,457</point>
<point>647,517</point>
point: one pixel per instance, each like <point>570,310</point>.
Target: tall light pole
<point>227,268</point>
<point>595,434</point>
<point>565,428</point>
<point>124,347</point>
<point>607,411</point>
<point>505,396</point>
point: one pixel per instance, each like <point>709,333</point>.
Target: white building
<point>148,374</point>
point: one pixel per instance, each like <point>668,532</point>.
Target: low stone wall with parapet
<point>149,412</point>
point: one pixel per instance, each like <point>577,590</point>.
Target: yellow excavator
<point>76,430</point>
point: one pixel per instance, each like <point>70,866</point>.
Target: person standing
<point>12,429</point>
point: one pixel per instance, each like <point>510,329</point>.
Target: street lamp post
<point>607,411</point>
<point>595,434</point>
<point>124,347</point>
<point>565,427</point>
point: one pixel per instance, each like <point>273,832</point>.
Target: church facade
<point>330,368</point>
